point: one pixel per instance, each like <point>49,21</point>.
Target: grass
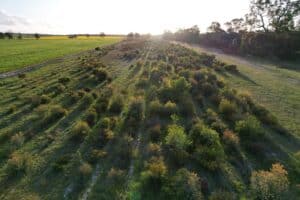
<point>15,54</point>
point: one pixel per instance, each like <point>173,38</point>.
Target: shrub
<point>231,68</point>
<point>116,104</point>
<point>18,163</point>
<point>184,185</point>
<point>59,164</point>
<point>230,138</point>
<point>264,115</point>
<point>269,184</point>
<point>45,99</point>
<point>116,176</point>
<point>249,128</point>
<point>228,109</point>
<point>155,132</point>
<point>80,130</point>
<point>12,109</point>
<point>206,146</point>
<point>176,137</point>
<point>91,117</point>
<point>22,75</point>
<point>155,108</point>
<point>56,112</point>
<point>85,169</point>
<point>18,139</point>
<point>135,110</point>
<point>153,177</point>
<point>105,123</point>
<point>100,74</point>
<point>64,80</point>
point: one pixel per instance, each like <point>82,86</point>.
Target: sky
<point>115,16</point>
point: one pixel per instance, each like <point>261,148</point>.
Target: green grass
<point>15,54</point>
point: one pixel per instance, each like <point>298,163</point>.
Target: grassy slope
<point>278,89</point>
<point>16,54</point>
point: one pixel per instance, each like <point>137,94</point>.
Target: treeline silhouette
<point>268,30</point>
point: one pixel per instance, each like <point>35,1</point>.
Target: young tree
<point>9,35</point>
<point>20,36</point>
<point>273,15</point>
<point>2,36</point>
<point>177,137</point>
<point>235,25</point>
<point>215,27</point>
<point>37,36</point>
<point>269,184</point>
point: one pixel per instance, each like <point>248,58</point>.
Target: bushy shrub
<point>116,104</point>
<point>101,74</point>
<point>64,80</point>
<point>80,130</point>
<point>18,163</point>
<point>206,146</point>
<point>227,109</point>
<point>17,139</point>
<point>269,184</point>
<point>249,128</point>
<point>155,132</point>
<point>45,99</point>
<point>155,173</point>
<point>231,68</point>
<point>12,109</point>
<point>176,137</point>
<point>60,163</point>
<point>230,138</point>
<point>184,185</point>
<point>135,111</point>
<point>105,123</point>
<point>116,176</point>
<point>174,90</point>
<point>91,117</point>
<point>56,112</point>
<point>85,169</point>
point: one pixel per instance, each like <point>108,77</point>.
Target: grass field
<point>15,54</point>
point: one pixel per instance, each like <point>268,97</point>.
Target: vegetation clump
<point>80,130</point>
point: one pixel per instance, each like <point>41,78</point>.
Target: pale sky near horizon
<point>115,16</point>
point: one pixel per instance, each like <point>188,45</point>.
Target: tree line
<point>271,28</point>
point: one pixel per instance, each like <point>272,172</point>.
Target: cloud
<point>8,20</point>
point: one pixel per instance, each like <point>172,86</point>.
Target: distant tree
<point>215,27</point>
<point>20,36</point>
<point>168,35</point>
<point>273,15</point>
<point>130,35</point>
<point>190,35</point>
<point>235,25</point>
<point>72,36</point>
<point>102,34</point>
<point>37,36</point>
<point>9,35</point>
<point>87,35</point>
<point>136,35</point>
<point>2,36</point>
<point>269,184</point>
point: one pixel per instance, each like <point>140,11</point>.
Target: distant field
<point>15,54</point>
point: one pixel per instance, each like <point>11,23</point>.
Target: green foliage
<point>91,117</point>
<point>19,163</point>
<point>116,104</point>
<point>64,80</point>
<point>184,185</point>
<point>249,128</point>
<point>206,146</point>
<point>80,130</point>
<point>85,169</point>
<point>101,74</point>
<point>176,137</point>
<point>223,195</point>
<point>228,109</point>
